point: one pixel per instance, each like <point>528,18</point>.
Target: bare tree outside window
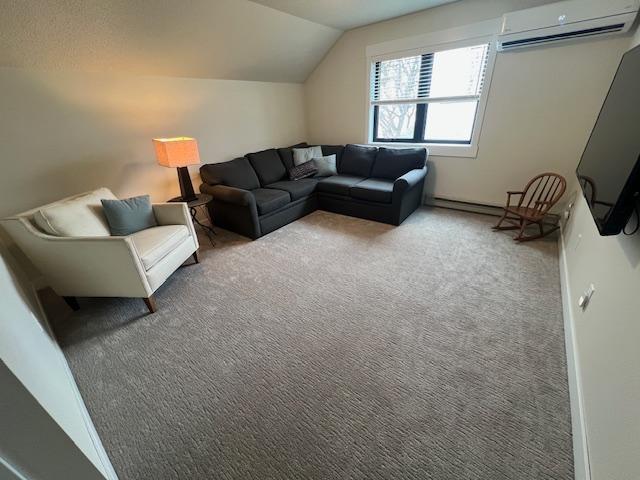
<point>398,79</point>
<point>429,98</point>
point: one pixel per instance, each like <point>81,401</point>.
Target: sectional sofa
<point>253,195</point>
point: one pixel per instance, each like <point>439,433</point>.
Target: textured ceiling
<point>227,39</point>
<point>263,40</point>
<point>346,14</point>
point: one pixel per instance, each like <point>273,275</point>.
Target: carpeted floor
<point>337,348</point>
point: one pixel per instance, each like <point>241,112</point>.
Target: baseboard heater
<point>472,207</point>
<point>464,206</point>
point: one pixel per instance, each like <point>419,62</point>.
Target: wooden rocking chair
<point>535,201</point>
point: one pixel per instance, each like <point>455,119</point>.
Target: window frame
<point>376,53</point>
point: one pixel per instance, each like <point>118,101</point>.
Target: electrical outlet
<point>585,298</point>
<point>566,213</point>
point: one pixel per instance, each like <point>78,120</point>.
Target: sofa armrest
<point>409,180</point>
<point>233,195</point>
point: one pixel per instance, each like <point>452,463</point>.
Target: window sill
<point>436,149</point>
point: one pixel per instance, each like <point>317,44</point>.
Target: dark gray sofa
<point>253,195</point>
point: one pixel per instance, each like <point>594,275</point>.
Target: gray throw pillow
<point>303,155</point>
<point>129,216</point>
<point>326,166</point>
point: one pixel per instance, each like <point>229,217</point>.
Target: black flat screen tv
<point>609,170</point>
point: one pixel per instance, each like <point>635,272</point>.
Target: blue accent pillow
<point>129,216</point>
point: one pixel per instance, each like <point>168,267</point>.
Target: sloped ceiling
<point>262,40</point>
<point>226,39</point>
<point>347,14</point>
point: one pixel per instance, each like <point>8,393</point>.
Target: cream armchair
<point>107,266</point>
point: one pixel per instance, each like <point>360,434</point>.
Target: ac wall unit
<point>566,20</point>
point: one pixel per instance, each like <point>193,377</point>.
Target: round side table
<point>201,201</point>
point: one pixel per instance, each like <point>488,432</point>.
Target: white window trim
<point>465,36</point>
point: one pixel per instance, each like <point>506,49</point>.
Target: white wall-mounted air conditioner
<point>566,20</point>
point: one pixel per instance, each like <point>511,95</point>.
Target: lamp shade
<point>176,152</point>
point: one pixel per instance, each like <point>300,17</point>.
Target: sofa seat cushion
<point>338,184</point>
<point>268,166</point>
<point>296,188</point>
<point>357,160</point>
<point>153,244</point>
<point>392,163</point>
<point>236,173</point>
<point>270,199</point>
<point>373,190</point>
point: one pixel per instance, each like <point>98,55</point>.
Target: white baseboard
<point>582,470</point>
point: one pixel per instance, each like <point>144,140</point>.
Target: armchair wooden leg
<point>150,302</point>
<point>72,302</point>
<point>195,257</point>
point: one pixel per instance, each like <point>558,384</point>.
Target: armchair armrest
<point>233,195</point>
<point>172,213</point>
<point>82,266</point>
<point>409,180</point>
<point>175,213</point>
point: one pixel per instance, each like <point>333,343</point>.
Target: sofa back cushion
<point>80,216</point>
<point>357,160</point>
<point>236,173</point>
<point>268,166</point>
<point>336,150</point>
<point>392,163</point>
<point>286,154</point>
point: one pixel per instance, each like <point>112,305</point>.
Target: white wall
<point>540,105</point>
<point>606,339</point>
<point>42,418</point>
<point>67,132</point>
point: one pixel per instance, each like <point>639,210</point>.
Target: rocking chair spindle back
<point>534,203</point>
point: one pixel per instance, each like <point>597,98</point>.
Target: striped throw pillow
<point>304,170</point>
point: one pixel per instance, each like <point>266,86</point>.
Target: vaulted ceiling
<point>263,40</point>
<point>347,14</point>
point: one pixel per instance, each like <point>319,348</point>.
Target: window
<point>430,98</point>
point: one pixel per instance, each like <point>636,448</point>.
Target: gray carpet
<point>337,348</point>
